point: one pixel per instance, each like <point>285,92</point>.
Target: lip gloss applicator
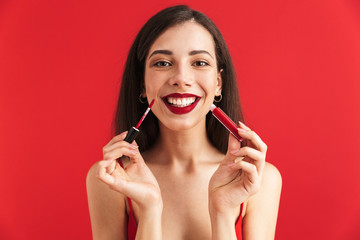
<point>133,132</point>
<point>226,121</point>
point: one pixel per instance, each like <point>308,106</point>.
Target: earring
<point>141,99</point>
<point>218,98</point>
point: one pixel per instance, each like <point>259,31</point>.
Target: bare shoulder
<point>91,175</point>
<point>262,208</point>
<point>107,208</point>
<point>270,188</point>
<point>271,185</point>
<point>271,176</point>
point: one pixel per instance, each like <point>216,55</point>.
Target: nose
<point>182,76</point>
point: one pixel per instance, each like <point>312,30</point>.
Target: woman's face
<point>181,75</point>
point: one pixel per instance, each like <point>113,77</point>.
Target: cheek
<point>209,82</point>
<point>149,81</point>
<point>152,87</point>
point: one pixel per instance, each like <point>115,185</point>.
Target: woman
<point>185,177</point>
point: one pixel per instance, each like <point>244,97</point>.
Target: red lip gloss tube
<point>225,121</point>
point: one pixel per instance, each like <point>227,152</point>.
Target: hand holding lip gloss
<point>133,132</point>
<point>226,121</point>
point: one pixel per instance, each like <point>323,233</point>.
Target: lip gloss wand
<point>225,121</point>
<point>133,132</point>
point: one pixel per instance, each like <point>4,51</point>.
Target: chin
<point>180,125</point>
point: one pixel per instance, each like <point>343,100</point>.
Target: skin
<point>183,187</point>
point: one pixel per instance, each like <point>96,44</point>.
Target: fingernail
<point>242,130</point>
<point>238,159</point>
<point>243,125</point>
<point>133,146</point>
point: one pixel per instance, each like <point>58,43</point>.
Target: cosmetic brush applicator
<point>134,131</point>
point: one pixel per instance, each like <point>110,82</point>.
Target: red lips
<point>181,110</point>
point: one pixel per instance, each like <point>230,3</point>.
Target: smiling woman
<point>183,56</point>
<point>185,177</point>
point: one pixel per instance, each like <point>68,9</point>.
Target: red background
<point>298,64</point>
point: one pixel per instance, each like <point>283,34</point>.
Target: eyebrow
<point>168,52</point>
<point>194,52</point>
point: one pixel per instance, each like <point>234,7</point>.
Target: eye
<point>200,64</point>
<point>162,64</point>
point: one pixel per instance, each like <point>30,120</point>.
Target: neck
<point>185,148</point>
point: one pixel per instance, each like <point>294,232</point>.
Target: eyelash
<point>197,64</point>
<point>161,64</point>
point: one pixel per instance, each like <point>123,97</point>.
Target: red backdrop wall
<point>60,65</point>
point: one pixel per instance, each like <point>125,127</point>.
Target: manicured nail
<point>243,125</point>
<point>238,159</point>
<point>133,146</point>
<point>242,130</point>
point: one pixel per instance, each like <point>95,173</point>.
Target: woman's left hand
<point>239,175</point>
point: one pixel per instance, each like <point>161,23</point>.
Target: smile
<point>181,103</point>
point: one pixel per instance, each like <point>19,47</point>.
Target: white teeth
<point>181,102</point>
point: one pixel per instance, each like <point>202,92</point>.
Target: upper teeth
<point>181,102</point>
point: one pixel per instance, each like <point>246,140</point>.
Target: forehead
<point>185,37</point>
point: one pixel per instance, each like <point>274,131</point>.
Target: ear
<point>219,82</point>
<point>142,92</point>
<point>142,89</point>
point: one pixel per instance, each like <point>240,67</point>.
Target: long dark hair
<point>129,109</point>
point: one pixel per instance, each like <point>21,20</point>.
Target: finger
<point>257,156</point>
<point>242,125</point>
<point>116,183</point>
<point>248,168</point>
<point>135,143</point>
<point>119,145</point>
<point>249,152</point>
<point>108,165</point>
<point>238,159</point>
<point>106,178</point>
<point>233,145</point>
<point>136,157</point>
<point>116,180</point>
<point>117,138</point>
<point>103,173</point>
<point>123,149</point>
<point>119,173</point>
<point>254,139</point>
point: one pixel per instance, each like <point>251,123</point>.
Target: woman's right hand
<point>136,181</point>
